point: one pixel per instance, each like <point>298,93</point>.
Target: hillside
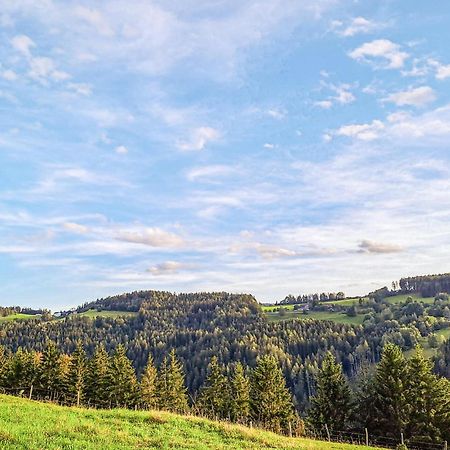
<point>28,424</point>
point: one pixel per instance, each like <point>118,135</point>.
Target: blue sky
<point>269,146</point>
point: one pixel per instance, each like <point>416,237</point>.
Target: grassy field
<point>17,317</point>
<point>28,425</point>
<point>317,315</point>
<point>93,313</point>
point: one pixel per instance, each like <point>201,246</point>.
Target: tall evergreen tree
<point>122,382</point>
<point>389,402</point>
<point>332,403</point>
<point>23,369</point>
<point>97,378</point>
<point>172,392</point>
<point>51,371</point>
<point>271,402</point>
<point>214,398</point>
<point>4,366</point>
<point>148,385</point>
<point>76,377</point>
<point>240,395</point>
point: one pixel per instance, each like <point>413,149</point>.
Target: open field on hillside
<point>17,317</point>
<point>93,313</point>
<point>28,424</point>
<point>317,315</point>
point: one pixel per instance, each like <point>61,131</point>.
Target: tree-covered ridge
<point>427,285</point>
<point>199,326</point>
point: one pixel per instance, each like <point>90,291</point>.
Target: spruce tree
<point>76,377</point>
<point>122,382</point>
<point>148,385</point>
<point>214,398</point>
<point>332,403</point>
<point>422,393</point>
<point>271,401</point>
<point>4,366</point>
<point>389,403</point>
<point>240,395</point>
<point>51,372</point>
<point>97,378</point>
<point>172,392</point>
<point>23,370</point>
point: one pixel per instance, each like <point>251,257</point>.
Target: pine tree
<point>148,385</point>
<point>442,414</point>
<point>76,378</point>
<point>51,371</point>
<point>214,398</point>
<point>172,392</point>
<point>122,382</point>
<point>240,395</point>
<point>422,392</point>
<point>332,403</point>
<point>4,366</point>
<point>23,370</point>
<point>389,403</point>
<point>97,378</point>
<point>271,402</point>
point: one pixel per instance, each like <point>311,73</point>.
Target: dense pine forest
<point>218,355</point>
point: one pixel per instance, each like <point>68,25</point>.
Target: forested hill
<point>199,326</point>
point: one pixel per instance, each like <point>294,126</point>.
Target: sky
<point>271,147</point>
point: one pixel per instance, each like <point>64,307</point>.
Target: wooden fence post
<point>290,429</point>
<point>328,432</point>
<point>401,439</point>
<point>367,436</point>
<point>445,445</point>
<point>31,392</point>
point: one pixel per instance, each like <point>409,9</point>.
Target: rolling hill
<point>28,424</point>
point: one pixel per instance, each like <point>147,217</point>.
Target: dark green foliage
<point>77,374</point>
<point>122,382</point>
<point>148,385</point>
<point>97,378</point>
<point>389,402</point>
<point>271,403</point>
<point>240,395</point>
<point>172,393</point>
<point>51,376</point>
<point>214,397</point>
<point>332,403</point>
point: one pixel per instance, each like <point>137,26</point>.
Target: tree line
<point>398,397</point>
<point>235,393</point>
<point>426,285</point>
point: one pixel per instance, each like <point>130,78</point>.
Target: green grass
<point>27,424</point>
<point>93,313</point>
<point>18,316</point>
<point>317,315</point>
<point>427,350</point>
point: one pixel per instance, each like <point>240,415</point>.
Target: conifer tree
<point>389,403</point>
<point>148,385</point>
<point>4,366</point>
<point>122,382</point>
<point>23,369</point>
<point>97,378</point>
<point>76,377</point>
<point>332,403</point>
<point>422,392</point>
<point>172,392</point>
<point>271,402</point>
<point>51,371</point>
<point>240,395</point>
<point>214,398</point>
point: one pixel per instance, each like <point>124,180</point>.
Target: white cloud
<point>209,172</point>
<point>96,19</point>
<point>199,138</point>
<point>80,88</point>
<point>415,97</point>
<point>324,104</point>
<point>383,49</point>
<point>121,150</point>
<point>276,113</point>
<point>442,71</point>
<point>9,75</point>
<point>358,25</point>
<point>22,44</point>
<point>378,247</point>
<point>364,132</point>
<point>75,227</point>
<point>152,237</point>
<point>167,267</point>
<point>269,146</point>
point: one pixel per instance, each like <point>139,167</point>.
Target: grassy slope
<point>93,313</point>
<point>16,317</point>
<point>26,424</point>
